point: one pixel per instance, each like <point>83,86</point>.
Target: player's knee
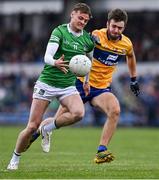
<point>115,112</point>
<point>78,115</point>
<point>31,128</point>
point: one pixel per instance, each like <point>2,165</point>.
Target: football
<point>80,65</point>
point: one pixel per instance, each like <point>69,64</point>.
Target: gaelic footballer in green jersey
<point>56,81</point>
<point>70,44</point>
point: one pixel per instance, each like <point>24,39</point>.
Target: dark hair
<point>118,15</point>
<point>82,7</point>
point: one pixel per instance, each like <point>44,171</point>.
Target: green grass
<point>73,150</point>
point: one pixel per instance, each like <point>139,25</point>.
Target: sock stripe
<point>17,154</point>
<point>56,124</point>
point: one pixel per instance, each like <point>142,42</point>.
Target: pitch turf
<point>73,150</point>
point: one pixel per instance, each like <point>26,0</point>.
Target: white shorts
<point>46,92</point>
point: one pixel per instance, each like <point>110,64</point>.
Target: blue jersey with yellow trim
<point>106,55</point>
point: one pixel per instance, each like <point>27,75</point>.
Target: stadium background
<point>25,30</point>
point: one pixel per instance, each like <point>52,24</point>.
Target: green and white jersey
<point>69,45</point>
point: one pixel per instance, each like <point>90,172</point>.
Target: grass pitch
<point>73,151</point>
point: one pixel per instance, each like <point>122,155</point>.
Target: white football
<point>80,65</point>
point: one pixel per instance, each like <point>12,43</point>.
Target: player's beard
<point>112,37</point>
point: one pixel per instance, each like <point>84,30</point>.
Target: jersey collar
<point>74,33</point>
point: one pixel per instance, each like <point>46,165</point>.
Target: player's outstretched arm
<point>134,85</point>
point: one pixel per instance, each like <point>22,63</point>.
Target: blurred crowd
<point>142,110</point>
<point>143,30</point>
<point>16,95</point>
<point>18,44</point>
<point>16,47</point>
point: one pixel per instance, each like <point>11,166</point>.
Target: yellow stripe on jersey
<point>109,50</point>
<point>106,56</point>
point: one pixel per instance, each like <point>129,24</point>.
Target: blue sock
<point>35,135</point>
<point>102,148</point>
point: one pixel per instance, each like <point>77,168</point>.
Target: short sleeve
<point>95,37</point>
<point>91,44</point>
<point>56,36</point>
<point>130,49</point>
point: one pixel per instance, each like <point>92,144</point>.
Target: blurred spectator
<point>23,45</point>
<point>16,94</point>
<point>144,109</point>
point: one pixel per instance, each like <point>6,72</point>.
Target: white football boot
<point>12,166</point>
<point>46,138</point>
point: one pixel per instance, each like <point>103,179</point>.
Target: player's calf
<point>34,136</point>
